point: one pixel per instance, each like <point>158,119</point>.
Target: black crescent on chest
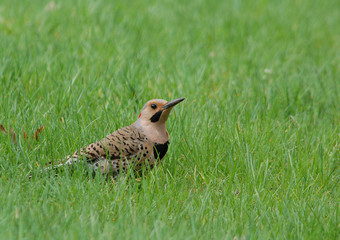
<point>160,150</point>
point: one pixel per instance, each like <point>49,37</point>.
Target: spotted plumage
<point>136,146</point>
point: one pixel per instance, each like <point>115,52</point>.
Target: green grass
<point>255,147</point>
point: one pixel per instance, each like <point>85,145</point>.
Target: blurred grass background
<point>254,149</point>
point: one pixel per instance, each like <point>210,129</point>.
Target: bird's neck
<point>155,132</point>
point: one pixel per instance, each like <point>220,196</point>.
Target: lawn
<point>255,147</point>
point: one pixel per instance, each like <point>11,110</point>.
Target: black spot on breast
<point>156,116</point>
<point>160,149</point>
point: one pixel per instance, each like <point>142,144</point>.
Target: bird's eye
<point>153,106</point>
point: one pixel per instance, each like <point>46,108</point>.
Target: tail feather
<point>70,161</point>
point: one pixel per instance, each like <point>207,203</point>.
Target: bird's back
<point>124,148</point>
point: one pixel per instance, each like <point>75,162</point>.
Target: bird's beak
<point>172,103</point>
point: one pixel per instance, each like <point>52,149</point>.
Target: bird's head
<point>152,119</point>
<point>157,111</point>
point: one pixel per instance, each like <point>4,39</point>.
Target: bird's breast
<point>160,149</point>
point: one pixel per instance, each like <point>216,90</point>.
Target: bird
<point>138,145</point>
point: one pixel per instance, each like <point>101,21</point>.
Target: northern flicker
<point>140,144</point>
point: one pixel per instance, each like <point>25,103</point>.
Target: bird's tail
<point>69,161</point>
